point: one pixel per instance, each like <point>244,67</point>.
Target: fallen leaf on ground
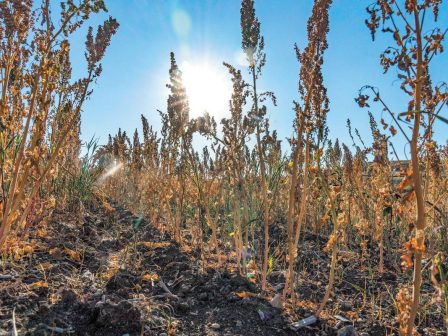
<point>38,284</point>
<point>73,254</point>
<point>245,294</point>
<point>155,245</point>
<point>150,277</point>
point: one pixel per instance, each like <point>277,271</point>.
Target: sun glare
<point>113,168</point>
<point>208,89</point>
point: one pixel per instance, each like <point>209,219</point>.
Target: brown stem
<point>334,255</point>
<point>421,218</point>
<point>291,207</point>
<point>264,189</point>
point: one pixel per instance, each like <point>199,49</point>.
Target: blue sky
<point>135,69</point>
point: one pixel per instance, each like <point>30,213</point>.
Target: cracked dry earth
<point>103,274</point>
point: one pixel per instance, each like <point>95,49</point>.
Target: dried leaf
<point>38,284</point>
<point>245,294</point>
<point>54,251</point>
<point>73,254</point>
<point>150,277</point>
<point>407,181</point>
<point>393,130</point>
<point>155,245</point>
<point>406,261</point>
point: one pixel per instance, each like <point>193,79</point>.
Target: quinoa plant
<point>40,103</point>
<point>417,40</point>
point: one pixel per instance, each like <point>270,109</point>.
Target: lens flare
<point>181,23</point>
<point>112,170</point>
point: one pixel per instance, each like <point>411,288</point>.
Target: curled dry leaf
<point>75,256</point>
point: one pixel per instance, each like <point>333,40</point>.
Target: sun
<point>208,89</point>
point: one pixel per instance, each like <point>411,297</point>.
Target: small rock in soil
<point>122,315</point>
<point>203,296</point>
<point>347,331</point>
<point>276,302</point>
<point>346,306</point>
<point>215,326</point>
<point>279,287</point>
<point>182,307</point>
<point>232,298</point>
<point>184,288</point>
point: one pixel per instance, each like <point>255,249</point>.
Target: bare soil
<point>113,273</point>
